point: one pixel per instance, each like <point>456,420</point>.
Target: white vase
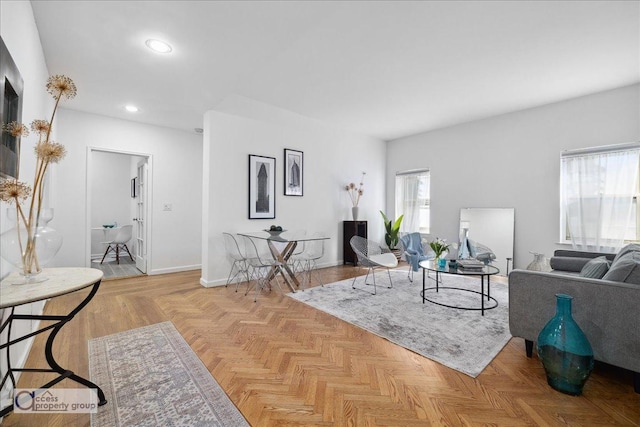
<point>539,263</point>
<point>354,212</point>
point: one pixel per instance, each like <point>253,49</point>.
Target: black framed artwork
<point>262,187</point>
<point>293,172</point>
<point>11,86</point>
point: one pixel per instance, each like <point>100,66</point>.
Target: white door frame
<point>149,221</point>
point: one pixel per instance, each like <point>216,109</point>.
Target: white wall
<point>19,32</point>
<point>332,158</point>
<point>176,161</point>
<point>513,160</point>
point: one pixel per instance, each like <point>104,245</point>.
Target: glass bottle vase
<point>30,250</point>
<point>565,351</point>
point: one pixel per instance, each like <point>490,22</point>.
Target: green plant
<point>392,230</point>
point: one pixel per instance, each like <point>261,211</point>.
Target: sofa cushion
<point>568,263</point>
<point>596,268</point>
<point>631,247</point>
<point>625,269</point>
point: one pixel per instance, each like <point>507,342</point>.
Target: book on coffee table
<point>470,264</point>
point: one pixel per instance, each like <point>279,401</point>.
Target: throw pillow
<point>625,269</point>
<point>631,247</point>
<point>595,268</point>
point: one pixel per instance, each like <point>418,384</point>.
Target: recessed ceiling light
<point>158,46</point>
<point>131,108</point>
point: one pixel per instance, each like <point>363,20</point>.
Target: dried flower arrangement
<point>355,192</point>
<point>47,152</point>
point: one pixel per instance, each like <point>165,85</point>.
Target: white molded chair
<point>239,264</point>
<point>372,255</point>
<point>119,242</point>
<point>312,251</point>
<point>262,265</point>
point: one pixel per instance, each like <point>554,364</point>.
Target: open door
<point>139,221</point>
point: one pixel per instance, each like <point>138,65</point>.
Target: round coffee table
<point>486,271</point>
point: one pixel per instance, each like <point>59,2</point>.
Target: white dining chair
<point>119,242</point>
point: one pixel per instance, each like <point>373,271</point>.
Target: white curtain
<point>412,200</point>
<point>407,189</point>
<point>597,194</point>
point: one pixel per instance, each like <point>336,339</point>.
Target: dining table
<point>282,246</point>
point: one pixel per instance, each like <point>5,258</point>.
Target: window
<point>413,200</point>
<point>599,194</point>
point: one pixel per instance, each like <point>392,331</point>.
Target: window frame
<point>564,229</point>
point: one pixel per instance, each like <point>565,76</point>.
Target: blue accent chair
<point>414,252</point>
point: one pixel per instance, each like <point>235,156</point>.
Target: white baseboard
<point>174,269</point>
<point>212,283</point>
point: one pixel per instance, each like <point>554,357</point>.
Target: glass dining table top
<point>285,236</point>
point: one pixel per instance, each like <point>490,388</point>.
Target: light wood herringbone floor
<point>285,364</point>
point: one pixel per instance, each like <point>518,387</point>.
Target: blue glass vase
<point>565,351</point>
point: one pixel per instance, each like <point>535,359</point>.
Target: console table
<point>350,229</point>
<point>61,281</point>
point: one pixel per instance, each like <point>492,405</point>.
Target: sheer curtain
<point>412,195</point>
<point>598,189</point>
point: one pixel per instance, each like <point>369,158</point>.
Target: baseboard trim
<point>212,283</point>
<point>174,269</point>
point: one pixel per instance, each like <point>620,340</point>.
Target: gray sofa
<point>607,309</point>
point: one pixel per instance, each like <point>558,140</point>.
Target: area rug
<point>151,377</point>
<point>460,339</point>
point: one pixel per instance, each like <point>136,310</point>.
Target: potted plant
<point>391,233</point>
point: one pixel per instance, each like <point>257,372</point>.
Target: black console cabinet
<point>350,229</point>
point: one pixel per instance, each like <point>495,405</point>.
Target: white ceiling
<point>385,69</point>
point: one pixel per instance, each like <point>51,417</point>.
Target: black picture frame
<point>11,88</point>
<point>262,187</point>
<point>293,172</point>
<point>134,187</point>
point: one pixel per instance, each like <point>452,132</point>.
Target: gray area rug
<point>460,339</point>
<point>151,377</point>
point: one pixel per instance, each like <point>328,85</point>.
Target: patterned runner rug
<point>460,339</point>
<point>151,377</point>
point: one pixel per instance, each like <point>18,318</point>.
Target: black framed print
<point>11,87</point>
<point>293,172</point>
<point>262,187</point>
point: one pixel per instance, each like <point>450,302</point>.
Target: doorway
<point>118,189</point>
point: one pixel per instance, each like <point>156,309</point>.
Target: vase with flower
<point>31,243</point>
<point>355,193</point>
<point>440,247</point>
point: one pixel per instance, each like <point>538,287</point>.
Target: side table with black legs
<point>61,281</point>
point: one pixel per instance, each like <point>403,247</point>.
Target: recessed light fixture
<point>158,46</point>
<point>131,108</point>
